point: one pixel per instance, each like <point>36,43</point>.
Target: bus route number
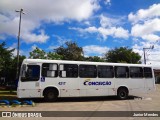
<point>62,83</point>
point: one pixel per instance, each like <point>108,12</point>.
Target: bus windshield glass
<point>32,73</point>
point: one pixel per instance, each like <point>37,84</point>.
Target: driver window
<point>32,74</point>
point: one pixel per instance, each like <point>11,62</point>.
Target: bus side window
<point>121,72</point>
<point>136,72</point>
<point>87,71</point>
<point>49,70</point>
<point>105,71</point>
<point>147,72</point>
<point>68,70</point>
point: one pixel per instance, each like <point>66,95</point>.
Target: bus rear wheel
<point>122,93</point>
<point>50,95</point>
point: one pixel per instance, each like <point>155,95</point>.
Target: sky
<point>95,25</point>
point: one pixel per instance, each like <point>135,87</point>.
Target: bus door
<point>149,78</point>
<point>29,85</point>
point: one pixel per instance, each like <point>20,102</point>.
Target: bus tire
<point>50,95</point>
<point>122,93</point>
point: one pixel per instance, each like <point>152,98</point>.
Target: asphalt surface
<point>144,102</point>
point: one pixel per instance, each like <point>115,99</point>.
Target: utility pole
<point>18,46</point>
<point>145,52</point>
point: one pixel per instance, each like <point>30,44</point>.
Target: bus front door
<point>29,86</point>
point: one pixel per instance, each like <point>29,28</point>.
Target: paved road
<point>149,102</point>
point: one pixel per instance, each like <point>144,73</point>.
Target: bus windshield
<point>30,73</point>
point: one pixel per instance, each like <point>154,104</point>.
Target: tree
<point>94,59</point>
<point>5,59</point>
<point>122,55</point>
<point>13,68</point>
<point>8,64</point>
<point>38,54</point>
<point>41,54</point>
<point>71,51</point>
<point>54,56</point>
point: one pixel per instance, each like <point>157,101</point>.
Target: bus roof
<point>81,62</point>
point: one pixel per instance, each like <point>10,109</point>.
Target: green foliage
<point>41,54</point>
<point>8,63</point>
<point>54,56</point>
<point>14,65</point>
<point>94,59</point>
<point>71,51</point>
<point>122,55</point>
<point>38,54</point>
<point>5,59</point>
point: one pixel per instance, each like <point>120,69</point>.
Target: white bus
<point>58,78</point>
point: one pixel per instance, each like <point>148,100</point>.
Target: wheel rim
<point>122,94</point>
<point>50,95</point>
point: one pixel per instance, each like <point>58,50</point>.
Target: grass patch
<point>8,95</point>
<point>7,92</point>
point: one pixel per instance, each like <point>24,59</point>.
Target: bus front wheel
<point>50,95</point>
<point>122,93</point>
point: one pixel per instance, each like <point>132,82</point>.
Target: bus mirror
<point>23,72</point>
<point>26,75</point>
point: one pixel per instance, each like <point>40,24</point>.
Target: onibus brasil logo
<point>89,82</point>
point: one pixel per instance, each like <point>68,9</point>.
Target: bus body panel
<point>96,86</point>
<point>31,91</point>
<point>76,87</point>
<point>134,85</point>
